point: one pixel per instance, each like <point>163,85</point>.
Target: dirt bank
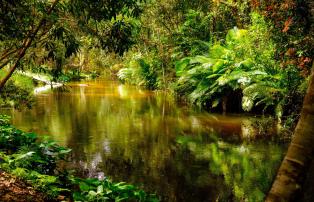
<point>15,190</point>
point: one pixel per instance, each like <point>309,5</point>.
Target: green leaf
<point>215,103</point>
<point>235,34</point>
<point>218,51</point>
<point>181,66</point>
<point>100,189</point>
<point>117,199</point>
<point>65,151</point>
<point>202,60</point>
<point>31,135</point>
<point>22,156</point>
<point>83,186</point>
<point>92,193</point>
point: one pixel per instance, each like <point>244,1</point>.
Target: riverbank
<point>45,79</point>
<point>37,162</point>
<point>13,189</point>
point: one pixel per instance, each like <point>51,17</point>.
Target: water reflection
<point>145,138</point>
<point>247,169</point>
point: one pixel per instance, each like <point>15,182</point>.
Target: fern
<point>125,74</point>
<point>260,93</point>
<point>229,68</point>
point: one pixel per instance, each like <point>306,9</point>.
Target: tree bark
<point>295,165</point>
<point>7,54</point>
<point>5,63</point>
<point>26,44</point>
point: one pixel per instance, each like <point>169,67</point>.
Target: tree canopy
<point>54,26</point>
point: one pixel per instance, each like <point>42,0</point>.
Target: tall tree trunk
<point>299,158</point>
<point>296,164</point>
<point>27,43</point>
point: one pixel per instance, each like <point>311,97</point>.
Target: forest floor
<point>15,190</point>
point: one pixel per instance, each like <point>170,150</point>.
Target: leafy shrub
<point>191,37</point>
<point>26,152</point>
<point>142,71</point>
<point>11,139</point>
<point>18,92</point>
<point>105,190</point>
<point>244,63</point>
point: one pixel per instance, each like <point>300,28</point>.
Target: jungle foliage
<point>205,51</point>
<point>45,35</point>
<point>257,53</point>
<point>245,64</point>
<point>18,92</point>
<point>242,56</point>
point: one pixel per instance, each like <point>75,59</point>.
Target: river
<point>148,139</point>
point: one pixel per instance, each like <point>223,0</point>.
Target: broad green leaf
<point>83,186</point>
<point>100,189</point>
<point>181,66</point>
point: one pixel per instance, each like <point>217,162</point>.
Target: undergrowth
<point>18,91</point>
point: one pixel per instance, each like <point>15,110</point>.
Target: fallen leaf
<point>287,25</point>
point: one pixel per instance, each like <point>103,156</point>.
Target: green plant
<point>105,190</point>
<point>27,153</point>
<point>11,139</point>
<point>142,71</point>
<point>244,64</point>
<point>191,37</point>
<point>18,92</point>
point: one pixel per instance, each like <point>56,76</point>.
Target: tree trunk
<point>27,43</point>
<point>294,167</point>
<point>224,104</point>
<point>296,164</point>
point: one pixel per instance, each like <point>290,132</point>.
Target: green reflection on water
<point>148,139</point>
<point>247,169</point>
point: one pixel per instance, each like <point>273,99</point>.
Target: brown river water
<point>149,139</point>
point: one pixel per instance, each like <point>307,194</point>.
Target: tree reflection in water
<point>148,139</point>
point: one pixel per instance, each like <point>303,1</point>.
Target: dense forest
<point>215,78</point>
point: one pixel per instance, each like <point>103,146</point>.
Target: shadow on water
<point>148,139</point>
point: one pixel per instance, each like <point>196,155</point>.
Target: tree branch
<point>8,53</point>
<point>26,44</point>
<point>5,63</point>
